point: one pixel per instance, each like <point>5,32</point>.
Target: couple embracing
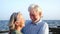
<point>18,25</point>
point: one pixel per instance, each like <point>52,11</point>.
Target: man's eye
<point>32,15</point>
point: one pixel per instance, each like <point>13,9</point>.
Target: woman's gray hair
<point>12,20</point>
<point>11,24</point>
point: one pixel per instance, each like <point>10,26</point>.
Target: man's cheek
<point>31,17</point>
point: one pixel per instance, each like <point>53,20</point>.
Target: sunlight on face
<point>21,20</point>
<point>34,14</point>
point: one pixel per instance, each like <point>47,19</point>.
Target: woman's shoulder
<point>15,32</point>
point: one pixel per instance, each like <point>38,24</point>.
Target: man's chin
<point>33,20</point>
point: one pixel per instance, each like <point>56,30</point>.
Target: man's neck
<point>37,20</point>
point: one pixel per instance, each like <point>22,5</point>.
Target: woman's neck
<point>18,28</point>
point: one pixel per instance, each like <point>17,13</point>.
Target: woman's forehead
<point>19,16</point>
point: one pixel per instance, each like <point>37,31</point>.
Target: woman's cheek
<point>22,23</point>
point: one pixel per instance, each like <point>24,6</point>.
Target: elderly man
<point>36,26</point>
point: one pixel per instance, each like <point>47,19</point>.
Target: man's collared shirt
<point>36,28</point>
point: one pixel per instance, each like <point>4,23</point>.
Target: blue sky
<point>51,8</point>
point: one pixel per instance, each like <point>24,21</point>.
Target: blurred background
<point>51,12</point>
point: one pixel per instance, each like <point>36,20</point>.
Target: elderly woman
<point>16,23</point>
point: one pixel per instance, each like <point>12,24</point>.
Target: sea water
<point>51,23</point>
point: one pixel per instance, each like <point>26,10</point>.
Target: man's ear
<point>41,14</point>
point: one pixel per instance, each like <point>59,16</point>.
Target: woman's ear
<point>16,23</point>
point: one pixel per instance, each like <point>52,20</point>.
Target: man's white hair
<point>35,6</point>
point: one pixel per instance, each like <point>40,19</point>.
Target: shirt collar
<point>37,22</point>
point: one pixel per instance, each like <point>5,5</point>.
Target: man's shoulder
<point>45,23</point>
<point>28,22</point>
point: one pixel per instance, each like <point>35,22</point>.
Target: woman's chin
<point>23,26</point>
